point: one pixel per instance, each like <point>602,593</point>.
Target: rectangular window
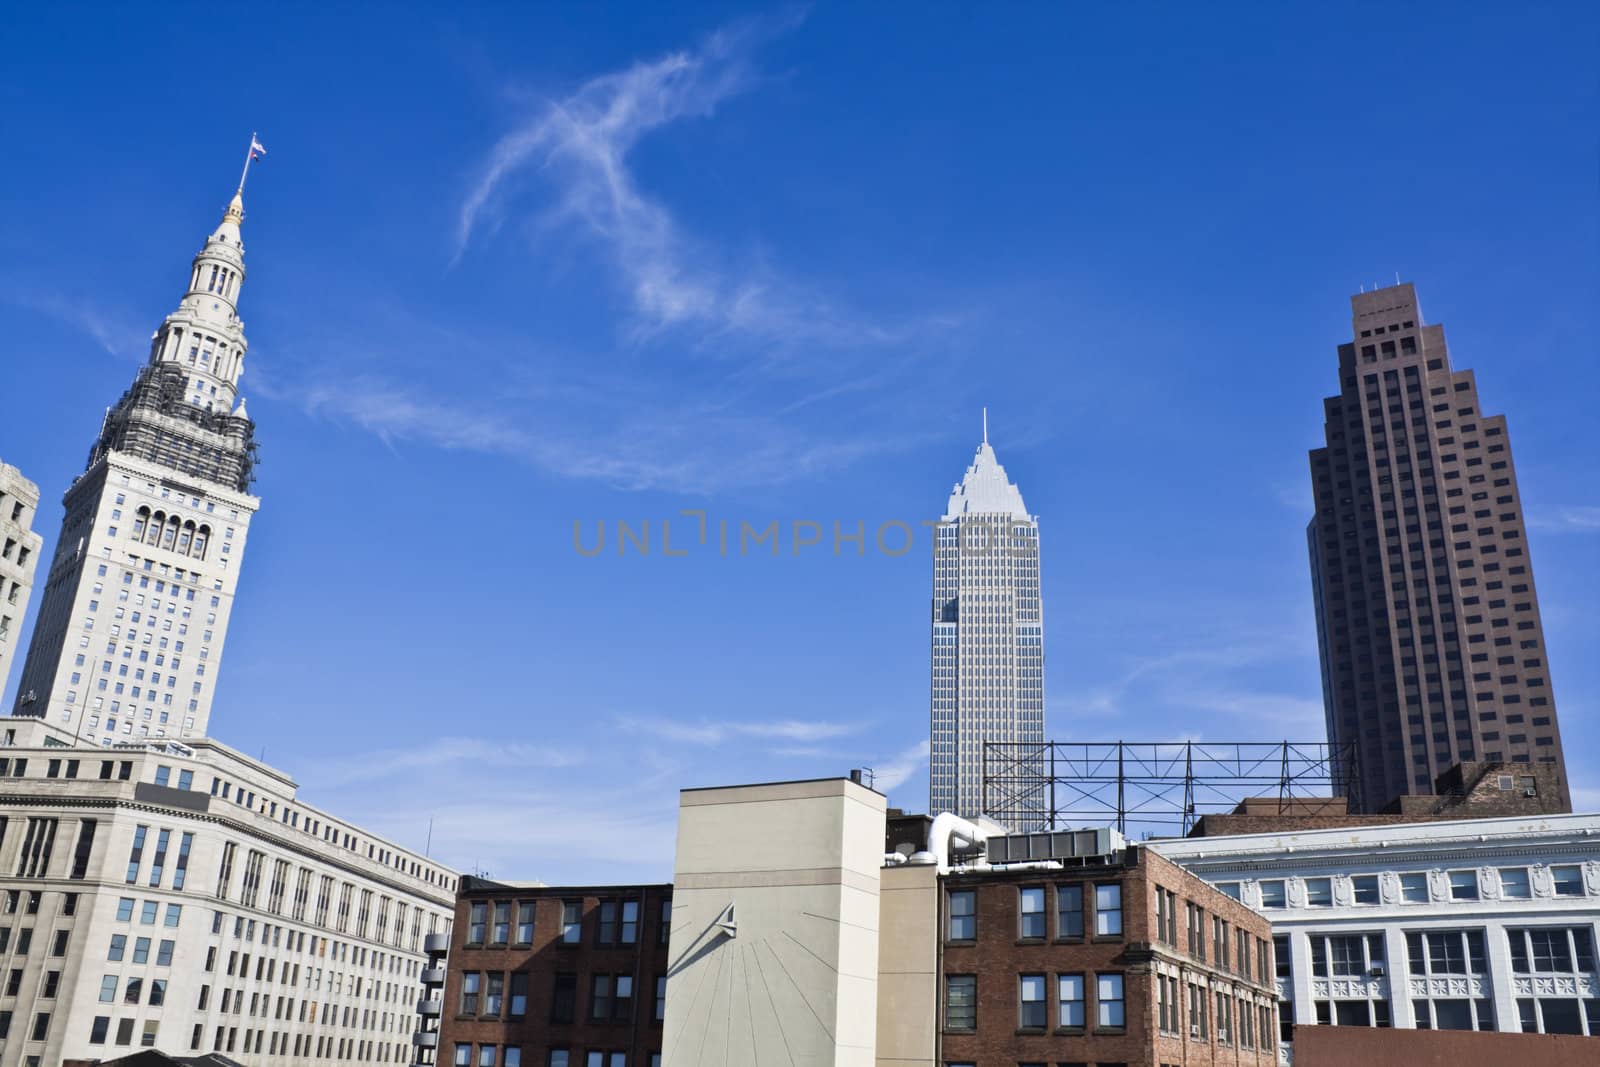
<point>525,912</point>
<point>961,1002</point>
<point>1069,911</point>
<point>963,915</point>
<point>1108,1000</point>
<point>1319,892</point>
<point>1030,995</point>
<point>493,993</point>
<point>471,988</point>
<point>136,854</point>
<point>502,923</point>
<point>1553,950</point>
<point>1514,883</point>
<point>571,922</point>
<point>1463,885</point>
<point>1273,894</point>
<point>518,1005</point>
<point>564,998</point>
<point>1568,880</point>
<point>1107,910</point>
<point>1364,888</point>
<point>1069,1000</point>
<point>1414,888</point>
<point>1031,919</point>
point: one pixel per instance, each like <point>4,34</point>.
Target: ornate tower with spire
<point>136,604</point>
<point>988,632</point>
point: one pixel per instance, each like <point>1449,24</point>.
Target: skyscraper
<point>19,500</point>
<point>136,602</point>
<point>988,632</point>
<point>1427,619</point>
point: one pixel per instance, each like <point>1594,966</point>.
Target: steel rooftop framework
<point>1157,787</point>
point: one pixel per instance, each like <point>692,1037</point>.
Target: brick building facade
<point>1126,959</point>
<point>543,976</point>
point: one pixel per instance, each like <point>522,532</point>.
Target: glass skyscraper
<point>988,633</point>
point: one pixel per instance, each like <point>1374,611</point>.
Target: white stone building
<point>988,634</point>
<point>1486,924</point>
<point>178,895</point>
<point>19,555</point>
<point>139,592</point>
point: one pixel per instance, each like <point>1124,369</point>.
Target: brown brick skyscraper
<point>1427,618</point>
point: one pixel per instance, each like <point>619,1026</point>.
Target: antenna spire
<point>986,425</point>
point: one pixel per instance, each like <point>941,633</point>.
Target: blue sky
<point>531,265</point>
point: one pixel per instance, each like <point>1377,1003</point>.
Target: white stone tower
<point>988,637</point>
<point>138,596</point>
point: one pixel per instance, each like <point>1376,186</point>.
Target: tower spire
<point>985,425</point>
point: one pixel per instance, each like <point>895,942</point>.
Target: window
<point>661,998</point>
<point>1453,1014</point>
<point>1069,911</point>
<point>1568,881</point>
<point>1319,892</point>
<point>1283,967</point>
<point>1556,950</point>
<point>1108,1000</point>
<point>486,1055</point>
<point>1463,885</point>
<point>1273,895</point>
<point>1030,996</point>
<point>963,915</point>
<point>1514,883</point>
<point>1031,920</point>
<point>477,915</point>
<point>471,985</point>
<point>1069,1000</point>
<point>1364,888</point>
<point>1229,889</point>
<point>494,993</point>
<point>1414,888</point>
<point>571,922</point>
<point>1346,955</point>
<point>961,1002</point>
<point>502,922</point>
<point>559,1057</point>
<point>1445,952</point>
<point>564,998</point>
<point>1107,910</point>
<point>525,922</point>
<point>518,1006</point>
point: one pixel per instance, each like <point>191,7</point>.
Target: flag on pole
<point>257,149</point>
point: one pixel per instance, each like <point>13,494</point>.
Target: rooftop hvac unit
<point>1054,845</point>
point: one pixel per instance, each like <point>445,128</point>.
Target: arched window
<point>201,537</point>
<point>141,519</point>
<point>152,535</point>
<point>169,536</point>
<point>185,536</point>
<point>211,284</point>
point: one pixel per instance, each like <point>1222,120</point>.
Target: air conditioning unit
<point>1194,1030</point>
<point>1530,792</point>
<point>1375,972</point>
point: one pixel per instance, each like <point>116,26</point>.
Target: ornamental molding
<point>1450,986</point>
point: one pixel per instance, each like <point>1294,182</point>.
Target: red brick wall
<point>1360,1046</point>
<point>998,957</point>
<point>543,960</point>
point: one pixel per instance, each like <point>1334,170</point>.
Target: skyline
<point>412,333</point>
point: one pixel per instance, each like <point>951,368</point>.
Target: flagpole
<point>249,154</point>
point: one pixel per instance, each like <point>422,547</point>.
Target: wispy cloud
<point>1568,520</point>
<point>896,771</point>
<point>434,756</point>
<point>695,447</point>
<point>707,732</point>
<point>579,146</point>
<point>115,332</point>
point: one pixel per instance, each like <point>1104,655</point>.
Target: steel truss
<point>1155,787</point>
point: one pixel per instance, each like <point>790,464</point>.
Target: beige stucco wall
<point>908,965</point>
<point>796,982</point>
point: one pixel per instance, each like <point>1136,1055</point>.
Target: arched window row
<point>171,532</point>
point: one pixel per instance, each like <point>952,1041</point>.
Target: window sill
<point>1070,1031</point>
<point>1031,1031</point>
<point>1110,1031</point>
<point>1031,941</point>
